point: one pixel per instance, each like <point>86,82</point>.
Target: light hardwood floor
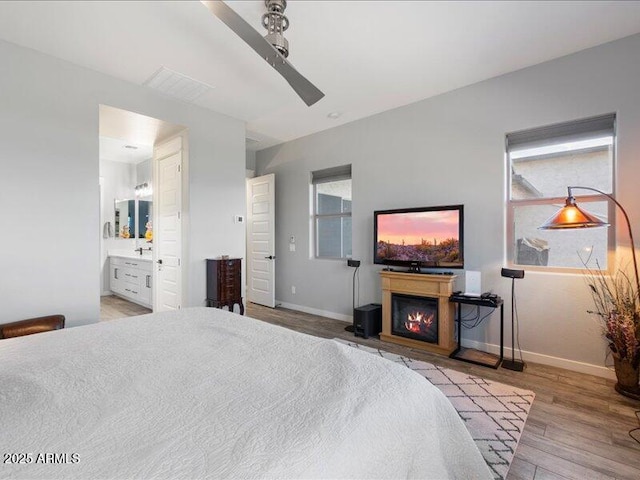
<point>112,307</point>
<point>578,425</point>
<point>577,428</point>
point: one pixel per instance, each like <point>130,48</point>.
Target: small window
<point>545,161</point>
<point>332,212</point>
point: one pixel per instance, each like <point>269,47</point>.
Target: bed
<point>205,393</point>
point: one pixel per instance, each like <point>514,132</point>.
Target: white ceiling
<point>366,56</point>
<point>118,150</point>
<point>129,137</point>
<point>134,128</point>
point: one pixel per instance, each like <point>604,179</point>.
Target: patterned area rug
<point>494,413</point>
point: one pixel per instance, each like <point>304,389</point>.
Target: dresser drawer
<point>131,291</point>
<point>144,265</point>
<point>132,277</point>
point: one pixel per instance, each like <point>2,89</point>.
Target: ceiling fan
<point>273,47</point>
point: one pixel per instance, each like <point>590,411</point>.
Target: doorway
<point>128,210</point>
<point>261,240</point>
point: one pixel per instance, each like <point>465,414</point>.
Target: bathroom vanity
<point>130,277</point>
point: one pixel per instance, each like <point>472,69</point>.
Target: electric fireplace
<point>414,317</point>
<point>416,311</point>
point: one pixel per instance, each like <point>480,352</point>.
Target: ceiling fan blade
<point>309,93</point>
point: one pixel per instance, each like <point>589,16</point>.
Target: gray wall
<point>49,193</point>
<point>448,150</point>
<point>251,160</point>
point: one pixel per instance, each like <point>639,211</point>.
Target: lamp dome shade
<point>572,216</point>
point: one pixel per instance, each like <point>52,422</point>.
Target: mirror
<point>126,213</point>
<point>124,218</point>
<point>145,214</point>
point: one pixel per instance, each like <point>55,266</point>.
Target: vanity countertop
<point>146,256</point>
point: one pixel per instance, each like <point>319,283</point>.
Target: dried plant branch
<point>616,302</point>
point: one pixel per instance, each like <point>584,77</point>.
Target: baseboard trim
<point>527,356</point>
<point>572,365</point>
<point>315,311</point>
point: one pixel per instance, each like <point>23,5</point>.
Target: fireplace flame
<point>418,322</point>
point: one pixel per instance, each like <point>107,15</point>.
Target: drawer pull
<point>115,273</point>
<point>148,281</point>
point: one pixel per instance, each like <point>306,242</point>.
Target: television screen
<point>419,237</point>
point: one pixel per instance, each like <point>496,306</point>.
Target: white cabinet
<point>131,278</point>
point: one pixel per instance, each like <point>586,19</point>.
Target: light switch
<point>292,247</point>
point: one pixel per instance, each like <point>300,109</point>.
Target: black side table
<point>472,355</point>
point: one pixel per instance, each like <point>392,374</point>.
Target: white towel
<point>107,230</point>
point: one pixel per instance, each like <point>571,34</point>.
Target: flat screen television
<point>427,237</point>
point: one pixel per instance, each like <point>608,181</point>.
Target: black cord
<point>474,321</point>
<point>465,317</point>
<point>351,328</point>
<point>478,322</point>
<point>515,309</point>
<point>637,429</point>
<point>358,282</point>
<point>353,289</point>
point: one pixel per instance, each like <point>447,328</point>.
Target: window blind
<point>343,172</point>
<point>603,125</point>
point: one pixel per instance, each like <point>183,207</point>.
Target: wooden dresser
<point>224,283</point>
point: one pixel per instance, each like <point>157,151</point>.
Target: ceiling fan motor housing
<point>276,23</point>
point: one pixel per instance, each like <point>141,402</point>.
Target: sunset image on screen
<point>428,237</point>
<point>412,228</point>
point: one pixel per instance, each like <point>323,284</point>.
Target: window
<point>543,162</point>
<point>332,212</point>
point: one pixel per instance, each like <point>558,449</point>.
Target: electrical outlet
<point>238,219</point>
<point>293,290</point>
<point>353,263</point>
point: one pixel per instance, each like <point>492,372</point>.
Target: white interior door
<point>261,240</point>
<point>167,227</point>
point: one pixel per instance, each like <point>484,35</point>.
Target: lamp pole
<point>626,217</point>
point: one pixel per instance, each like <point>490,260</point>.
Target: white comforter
<point>204,393</point>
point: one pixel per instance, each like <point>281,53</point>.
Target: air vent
<point>177,85</point>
